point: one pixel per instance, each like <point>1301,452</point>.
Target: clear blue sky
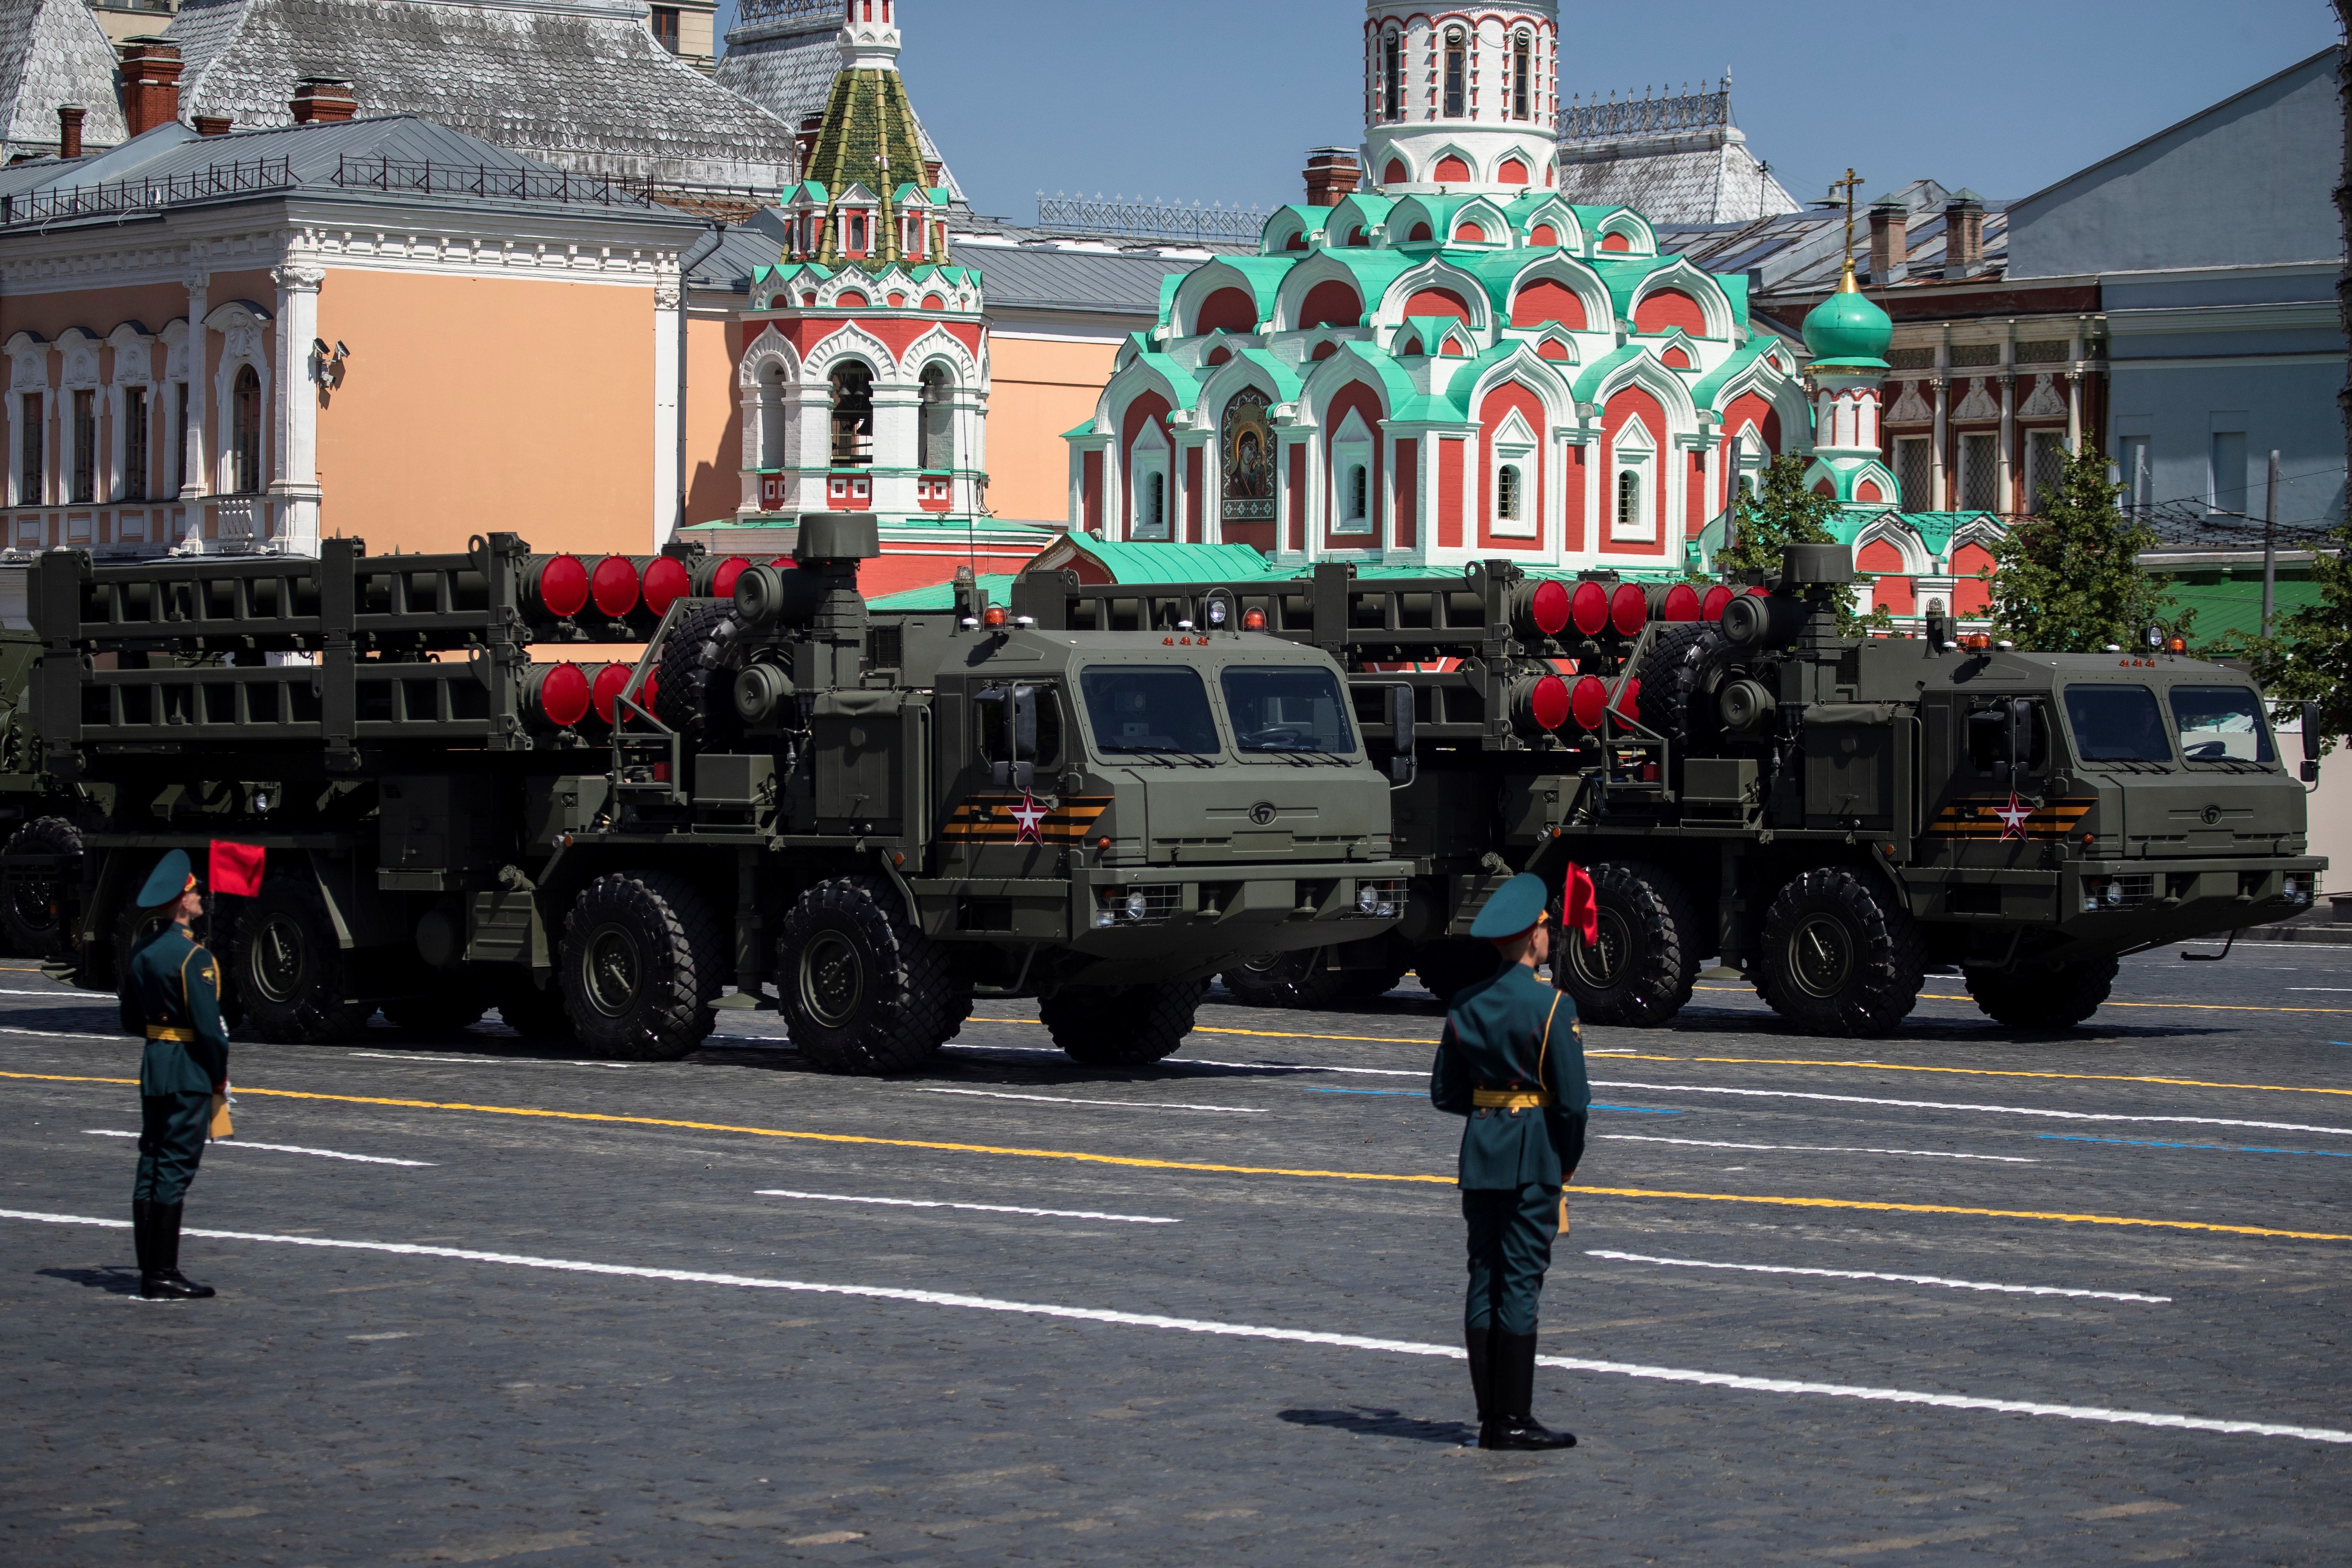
<point>1219,100</point>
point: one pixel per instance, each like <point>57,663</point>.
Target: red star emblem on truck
<point>2013,816</point>
<point>1027,817</point>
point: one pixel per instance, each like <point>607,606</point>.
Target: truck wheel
<point>1839,957</point>
<point>697,672</point>
<point>1130,1028</point>
<point>1446,967</point>
<point>1675,670</point>
<point>290,975</point>
<point>862,990</point>
<point>1641,970</point>
<point>438,1013</point>
<point>1300,979</point>
<point>32,914</point>
<point>643,961</point>
<point>2043,998</point>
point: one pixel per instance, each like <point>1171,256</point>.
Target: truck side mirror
<point>1400,719</point>
<point>2020,739</point>
<point>1021,735</point>
<point>2311,739</point>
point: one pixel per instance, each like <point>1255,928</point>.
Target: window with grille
<point>1456,74</point>
<point>30,480</point>
<point>1359,492</point>
<point>1915,472</point>
<point>134,443</point>
<point>853,415</point>
<point>1979,479</point>
<point>1506,494</point>
<point>1629,501</point>
<point>2046,465</point>
<point>1393,77</point>
<point>938,419</point>
<point>1152,510</point>
<point>1522,67</point>
<point>245,434</point>
<point>84,447</point>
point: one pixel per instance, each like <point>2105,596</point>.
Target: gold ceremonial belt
<point>158,1032</point>
<point>1509,1099</point>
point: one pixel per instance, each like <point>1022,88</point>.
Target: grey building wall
<point>2245,182</point>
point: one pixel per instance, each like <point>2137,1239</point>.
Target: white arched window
<point>1148,510</point>
<point>1633,515</point>
<point>770,450</point>
<point>1523,48</point>
<point>1393,75</point>
<point>1513,452</point>
<point>1352,476</point>
<point>1456,73</point>
<point>853,414</point>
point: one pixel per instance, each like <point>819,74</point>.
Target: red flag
<point>1581,913</point>
<point>235,868</point>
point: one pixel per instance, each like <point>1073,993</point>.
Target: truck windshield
<point>1146,707</point>
<point>2219,722</point>
<point>1288,710</point>
<point>2117,724</point>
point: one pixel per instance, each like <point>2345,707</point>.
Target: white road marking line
<point>982,1209</point>
<point>2343,989</point>
<point>66,1034</point>
<point>1819,1149</point>
<point>1958,1105</point>
<point>1898,1279</point>
<point>480,1061</point>
<point>1249,1330</point>
<point>276,1148</point>
<point>1115,1104</point>
<point>79,998</point>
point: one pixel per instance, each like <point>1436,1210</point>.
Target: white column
<point>1939,489</point>
<point>294,456</point>
<point>669,304</point>
<point>195,459</point>
<point>2001,501</point>
<point>2074,411</point>
<point>898,440</point>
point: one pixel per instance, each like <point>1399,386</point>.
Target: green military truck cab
<point>1830,815</point>
<point>864,822</point>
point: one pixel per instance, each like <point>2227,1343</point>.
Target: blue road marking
<point>1419,1094</point>
<point>2222,1148</point>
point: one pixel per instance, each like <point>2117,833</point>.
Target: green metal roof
<point>1129,560</point>
<point>942,595</point>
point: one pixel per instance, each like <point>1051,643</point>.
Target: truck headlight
<point>1368,898</point>
<point>2094,889</point>
<point>2297,890</point>
<point>1106,917</point>
<point>2115,894</point>
<point>1138,906</point>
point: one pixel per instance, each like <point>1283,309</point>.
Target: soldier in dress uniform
<point>1512,1062</point>
<point>170,993</point>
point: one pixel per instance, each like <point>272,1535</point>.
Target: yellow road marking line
<point>1139,1163</point>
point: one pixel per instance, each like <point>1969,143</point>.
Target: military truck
<point>1828,815</point>
<point>865,824</point>
<point>40,848</point>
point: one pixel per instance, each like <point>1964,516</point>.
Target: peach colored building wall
<point>470,405</point>
<point>1040,387</point>
<point>714,422</point>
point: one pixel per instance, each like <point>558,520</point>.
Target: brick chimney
<point>1964,236</point>
<point>70,118</point>
<point>150,83</point>
<point>932,168</point>
<point>1890,247</point>
<point>1332,174</point>
<point>212,125</point>
<point>323,101</point>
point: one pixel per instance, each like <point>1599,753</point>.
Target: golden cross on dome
<point>1848,185</point>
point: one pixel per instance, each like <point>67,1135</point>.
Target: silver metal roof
<point>53,52</point>
<point>579,84</point>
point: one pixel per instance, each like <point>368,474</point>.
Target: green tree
<point>2069,580</point>
<point>2309,656</point>
<point>1783,512</point>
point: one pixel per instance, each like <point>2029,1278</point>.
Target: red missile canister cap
<point>1630,705</point>
<point>614,586</point>
<point>1711,607</point>
<point>606,691</point>
<point>666,581</point>
<point>561,584</point>
<point>562,694</point>
<point>1589,607</point>
<point>1588,701</point>
<point>1549,606</point>
<point>1629,607</point>
<point>722,581</point>
<point>1682,603</point>
<point>1548,703</point>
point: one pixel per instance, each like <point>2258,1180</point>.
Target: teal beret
<point>171,877</point>
<point>1515,906</point>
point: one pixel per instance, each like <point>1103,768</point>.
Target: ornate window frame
<point>245,330</point>
<point>1150,516</point>
<point>1634,456</point>
<point>1511,451</point>
<point>1352,477</point>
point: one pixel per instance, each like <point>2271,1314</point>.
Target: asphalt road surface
<point>1952,1295</point>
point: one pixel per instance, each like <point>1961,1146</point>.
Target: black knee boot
<point>1479,1342</point>
<point>1514,1392</point>
<point>142,1221</point>
<point>167,1283</point>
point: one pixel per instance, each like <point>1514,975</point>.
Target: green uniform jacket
<point>1495,1039</point>
<point>171,982</point>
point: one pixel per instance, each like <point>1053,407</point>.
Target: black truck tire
<point>643,961</point>
<point>458,1005</point>
<point>1840,956</point>
<point>2056,998</point>
<point>1299,979</point>
<point>862,989</point>
<point>1449,964</point>
<point>1641,970</point>
<point>534,1011</point>
<point>34,914</point>
<point>1674,676</point>
<point>1130,1028</point>
<point>289,974</point>
<point>697,672</point>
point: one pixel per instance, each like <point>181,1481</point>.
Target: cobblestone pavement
<point>586,1328</point>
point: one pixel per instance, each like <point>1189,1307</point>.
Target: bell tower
<point>1464,101</point>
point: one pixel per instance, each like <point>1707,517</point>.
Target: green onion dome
<point>1847,331</point>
